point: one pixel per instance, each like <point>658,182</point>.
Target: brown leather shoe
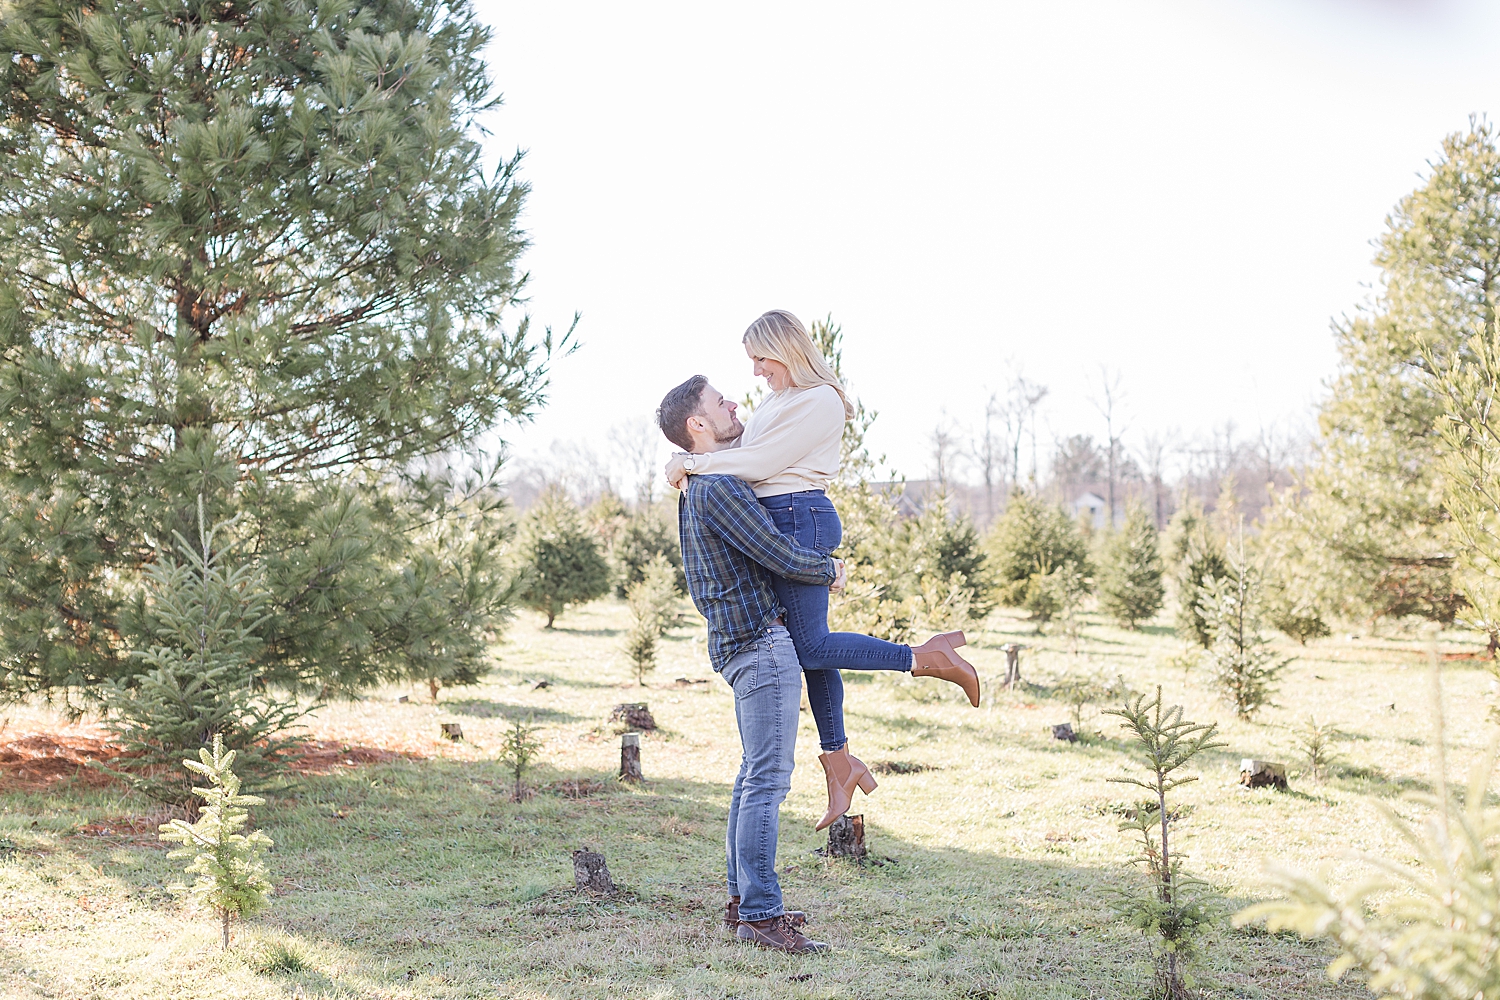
<point>732,915</point>
<point>778,933</point>
<point>936,658</point>
<point>844,772</point>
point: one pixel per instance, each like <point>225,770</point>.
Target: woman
<point>789,453</point>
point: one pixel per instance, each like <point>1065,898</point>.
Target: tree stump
<point>633,715</point>
<point>1012,664</point>
<point>453,731</point>
<point>590,873</point>
<point>1064,731</point>
<point>630,757</point>
<point>1262,773</point>
<point>846,838</point>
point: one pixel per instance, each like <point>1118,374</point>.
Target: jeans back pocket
<point>828,530</point>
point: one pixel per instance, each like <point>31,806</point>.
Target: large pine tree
<point>1365,533</point>
<point>248,250</point>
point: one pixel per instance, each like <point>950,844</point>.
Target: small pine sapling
<point>658,596</point>
<point>653,604</point>
<point>1315,742</point>
<point>1177,907</point>
<point>518,749</point>
<point>229,865</point>
<point>1080,690</point>
<point>1423,930</point>
<point>1244,666</point>
<point>204,605</point>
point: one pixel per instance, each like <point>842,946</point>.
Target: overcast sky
<point>1184,192</point>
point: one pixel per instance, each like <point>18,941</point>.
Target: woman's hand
<point>676,471</point>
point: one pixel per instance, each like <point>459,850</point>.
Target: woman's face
<point>774,372</point>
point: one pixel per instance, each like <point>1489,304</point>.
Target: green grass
<point>420,878</point>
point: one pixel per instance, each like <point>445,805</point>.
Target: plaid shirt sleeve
<point>743,522</point>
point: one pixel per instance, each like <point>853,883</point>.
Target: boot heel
<point>867,783</point>
<point>955,638</point>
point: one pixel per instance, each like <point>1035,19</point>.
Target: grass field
<point>416,876</point>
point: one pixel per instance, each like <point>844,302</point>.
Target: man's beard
<point>731,435</point>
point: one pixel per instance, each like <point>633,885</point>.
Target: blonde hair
<point>780,336</point>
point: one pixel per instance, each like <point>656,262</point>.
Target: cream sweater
<point>791,443</point>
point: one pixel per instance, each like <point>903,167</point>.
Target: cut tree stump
<point>630,757</point>
<point>1012,665</point>
<point>590,873</point>
<point>846,838</point>
<point>1064,731</point>
<point>453,731</point>
<point>634,715</point>
<point>1262,773</point>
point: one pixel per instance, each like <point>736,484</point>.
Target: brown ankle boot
<point>843,771</point>
<point>732,915</point>
<point>936,658</point>
<point>778,933</point>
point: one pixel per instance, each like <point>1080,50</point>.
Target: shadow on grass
<point>484,708</point>
<point>606,633</point>
<point>420,877</point>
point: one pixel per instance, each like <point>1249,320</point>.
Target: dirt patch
<point>34,761</point>
<point>580,788</point>
<point>331,756</point>
<point>900,767</point>
<point>140,830</point>
<point>37,760</point>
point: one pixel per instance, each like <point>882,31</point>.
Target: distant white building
<point>1094,506</point>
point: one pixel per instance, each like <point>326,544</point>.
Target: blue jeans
<point>811,519</point>
<point>767,685</point>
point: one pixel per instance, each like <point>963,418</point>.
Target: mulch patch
<point>143,830</point>
<point>331,756</point>
<point>37,761</point>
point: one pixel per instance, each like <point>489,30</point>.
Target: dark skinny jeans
<point>810,518</point>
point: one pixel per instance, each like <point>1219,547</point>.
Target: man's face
<point>718,417</point>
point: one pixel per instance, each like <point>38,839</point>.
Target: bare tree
<point>1107,403</point>
<point>989,454</point>
<point>945,448</point>
<point>1153,456</point>
<point>637,443</point>
<point>1022,398</point>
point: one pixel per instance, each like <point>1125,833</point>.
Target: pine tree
<point>247,251</point>
<point>1130,577</point>
<point>1367,525</point>
<point>1471,485</point>
<point>1244,666</point>
<point>648,532</point>
<point>1197,555</point>
<point>1176,908</point>
<point>1039,558</point>
<point>518,749</point>
<point>200,685</point>
<point>1423,927</point>
<point>229,865</point>
<point>561,558</point>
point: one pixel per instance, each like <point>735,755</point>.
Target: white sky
<point>1182,191</point>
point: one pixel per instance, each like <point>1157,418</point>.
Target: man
<point>729,548</point>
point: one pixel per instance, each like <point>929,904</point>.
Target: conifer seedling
<point>519,748</point>
<point>1176,907</point>
<point>229,864</point>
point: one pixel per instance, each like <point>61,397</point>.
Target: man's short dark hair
<point>682,402</point>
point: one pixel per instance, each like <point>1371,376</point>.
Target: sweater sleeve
<point>807,422</point>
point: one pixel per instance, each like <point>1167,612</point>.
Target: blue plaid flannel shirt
<point>729,549</point>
